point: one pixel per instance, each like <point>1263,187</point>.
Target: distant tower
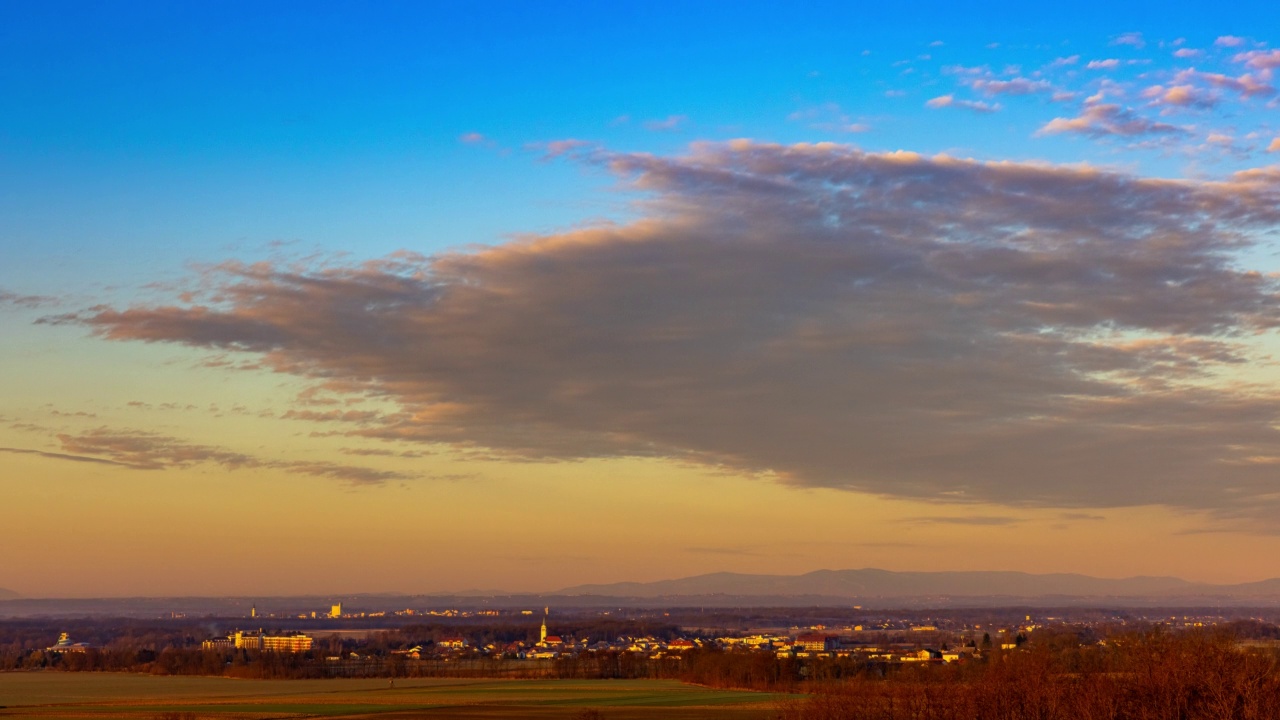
<point>336,611</point>
<point>542,636</point>
<point>253,611</point>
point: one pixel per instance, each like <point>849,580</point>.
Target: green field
<point>104,695</point>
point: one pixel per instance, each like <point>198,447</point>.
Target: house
<point>923,656</point>
<point>284,642</point>
<point>816,642</point>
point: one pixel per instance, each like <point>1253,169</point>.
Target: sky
<point>430,297</point>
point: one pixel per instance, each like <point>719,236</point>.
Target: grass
<point>98,696</point>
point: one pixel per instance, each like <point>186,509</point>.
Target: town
<point>368,641</point>
<point>811,642</point>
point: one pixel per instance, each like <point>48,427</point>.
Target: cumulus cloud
<point>1274,146</point>
<point>943,101</point>
<point>1229,41</point>
<point>1187,53</point>
<point>1262,60</point>
<point>925,327</point>
<point>1130,38</point>
<point>1109,64</point>
<point>1180,96</point>
<point>556,148</point>
<point>1247,85</point>
<point>1104,119</point>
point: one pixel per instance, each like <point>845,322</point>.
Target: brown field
<point>99,696</point>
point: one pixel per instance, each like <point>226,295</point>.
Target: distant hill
<point>884,584</point>
<point>8,594</point>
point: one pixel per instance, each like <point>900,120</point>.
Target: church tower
<point>542,636</point>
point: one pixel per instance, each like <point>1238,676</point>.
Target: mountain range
<point>867,587</point>
<point>879,585</point>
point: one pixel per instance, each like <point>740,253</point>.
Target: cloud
<point>351,474</point>
<point>1247,85</point>
<point>943,101</point>
<point>967,520</point>
<point>1109,64</point>
<point>1262,60</point>
<point>1102,120</point>
<point>480,140</point>
<point>1130,38</point>
<point>829,117</point>
<point>1180,96</point>
<point>1187,53</point>
<point>1220,139</point>
<point>26,301</point>
<point>383,452</point>
<point>151,451</point>
<point>350,416</point>
<point>1274,146</point>
<point>671,123</point>
<point>922,327</point>
<point>1229,41</point>
<point>60,456</point>
<point>1016,86</point>
<point>557,148</point>
<point>975,71</point>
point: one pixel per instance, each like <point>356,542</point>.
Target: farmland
<point>108,695</point>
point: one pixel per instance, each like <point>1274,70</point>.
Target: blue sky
<point>180,130</point>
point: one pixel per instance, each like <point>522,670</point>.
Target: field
<point>93,696</point>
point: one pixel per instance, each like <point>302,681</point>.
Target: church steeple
<point>542,636</point>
